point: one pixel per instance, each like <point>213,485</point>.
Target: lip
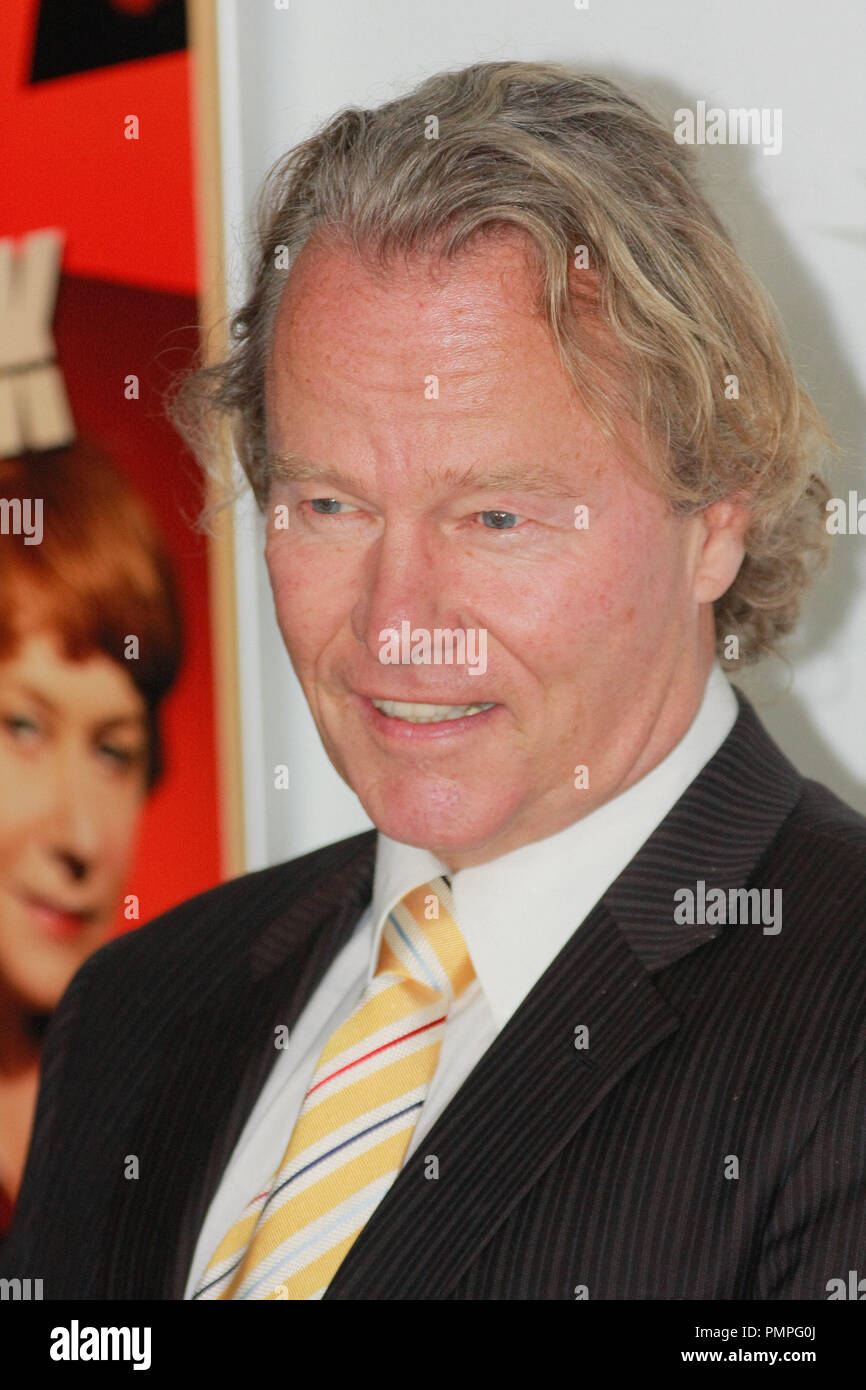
<point>426,697</point>
<point>56,920</point>
<point>401,731</point>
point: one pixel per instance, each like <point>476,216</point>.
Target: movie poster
<point>109,764</point>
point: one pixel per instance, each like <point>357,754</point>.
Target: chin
<point>444,817</point>
<point>39,983</point>
<point>38,996</point>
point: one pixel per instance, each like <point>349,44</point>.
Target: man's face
<point>431,408</point>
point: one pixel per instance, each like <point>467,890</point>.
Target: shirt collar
<point>517,912</point>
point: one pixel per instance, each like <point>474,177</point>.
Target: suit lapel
<point>528,1094</point>
<point>212,1067</point>
<point>533,1089</point>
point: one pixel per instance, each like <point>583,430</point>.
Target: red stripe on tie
<point>383,1048</point>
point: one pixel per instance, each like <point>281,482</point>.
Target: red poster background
<point>127,306</point>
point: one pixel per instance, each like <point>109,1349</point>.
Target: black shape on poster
<point>75,36</point>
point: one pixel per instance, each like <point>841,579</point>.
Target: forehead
<point>343,316</point>
<point>89,685</point>
<point>361,352</point>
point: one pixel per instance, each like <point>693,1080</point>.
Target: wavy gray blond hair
<point>570,161</point>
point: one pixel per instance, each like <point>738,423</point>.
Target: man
<point>584,1019</point>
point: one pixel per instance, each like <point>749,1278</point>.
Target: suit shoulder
<point>829,831</point>
<point>820,852</point>
<point>818,859</point>
<point>226,916</point>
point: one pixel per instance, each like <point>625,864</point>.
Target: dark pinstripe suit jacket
<point>607,1169</point>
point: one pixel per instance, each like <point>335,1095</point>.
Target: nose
<point>74,825</point>
<point>401,580</point>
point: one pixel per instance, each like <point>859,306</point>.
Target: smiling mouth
<point>415,713</point>
<point>59,919</point>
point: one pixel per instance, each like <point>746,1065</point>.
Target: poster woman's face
<point>73,769</point>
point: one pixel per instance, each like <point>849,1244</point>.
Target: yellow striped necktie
<point>358,1115</point>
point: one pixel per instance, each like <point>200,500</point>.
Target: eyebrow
<point>35,695</point>
<point>293,468</point>
<point>139,720</point>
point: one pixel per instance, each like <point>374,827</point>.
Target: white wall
<point>798,217</point>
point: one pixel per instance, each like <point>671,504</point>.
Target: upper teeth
<point>426,714</point>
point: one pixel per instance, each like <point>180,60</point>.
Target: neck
<point>20,1036</point>
<point>667,720</point>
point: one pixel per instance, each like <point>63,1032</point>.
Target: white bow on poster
<point>34,409</point>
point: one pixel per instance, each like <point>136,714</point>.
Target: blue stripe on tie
<point>204,1288</point>
<point>360,1207</point>
<point>336,1149</point>
<point>434,984</point>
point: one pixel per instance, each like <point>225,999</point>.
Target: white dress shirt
<point>516,914</point>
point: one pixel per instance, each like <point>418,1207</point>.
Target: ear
<point>722,546</point>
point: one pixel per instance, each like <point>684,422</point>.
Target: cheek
<point>634,590</point>
<point>612,604</point>
<point>14,824</point>
<point>120,818</point>
<point>312,592</point>
<point>21,814</point>
<point>550,617</point>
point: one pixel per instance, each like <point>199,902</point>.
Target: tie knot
<point>421,941</point>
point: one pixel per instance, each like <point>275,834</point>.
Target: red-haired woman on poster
<point>90,642</point>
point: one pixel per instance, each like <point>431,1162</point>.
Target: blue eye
<point>20,727</point>
<point>501,521</point>
<point>122,756</point>
<point>326,506</point>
